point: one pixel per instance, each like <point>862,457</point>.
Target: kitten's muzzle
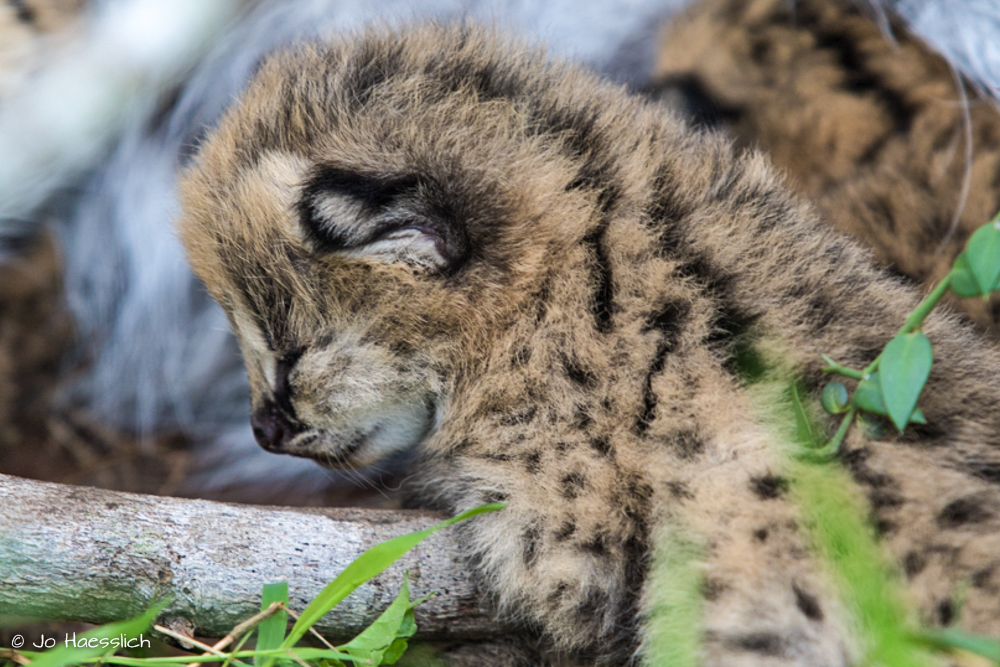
<point>273,429</point>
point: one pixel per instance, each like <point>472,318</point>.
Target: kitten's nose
<point>272,428</point>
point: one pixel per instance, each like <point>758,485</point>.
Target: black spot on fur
<point>686,444</point>
<point>807,604</point>
<point>649,398</point>
<point>556,597</point>
<point>603,304</point>
<point>989,472</point>
<point>760,50</point>
<point>820,310</point>
<point>602,446</point>
<point>575,126</point>
<point>970,509</point>
<point>712,589</point>
<point>913,564</point>
<point>572,484</point>
<point>882,498</point>
<point>581,418</point>
<point>594,603</point>
<point>856,461</point>
<point>768,487</point>
<point>732,335</point>
<point>981,578</point>
<point>578,374</point>
<point>530,545</point>
<point>945,612</point>
<point>566,530</point>
<point>932,433</point>
<point>764,643</point>
<point>638,490</point>
<point>679,490</point>
<point>732,332</point>
<point>669,321</point>
<point>884,527</point>
<point>533,462</point>
<point>635,553</point>
<point>495,497</point>
<point>881,209</point>
<point>597,544</point>
<point>761,534</point>
<point>521,357</point>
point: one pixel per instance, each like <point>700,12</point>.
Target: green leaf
<point>271,632</point>
<point>868,396</point>
<point>379,643</point>
<point>394,652</point>
<point>369,564</point>
<point>834,398</point>
<point>99,641</point>
<point>951,638</point>
<point>904,367</point>
<point>983,255</point>
<point>963,283</point>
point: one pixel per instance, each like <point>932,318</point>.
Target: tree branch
<point>77,553</point>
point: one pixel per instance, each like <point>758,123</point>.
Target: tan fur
<point>872,130</point>
<point>541,282</point>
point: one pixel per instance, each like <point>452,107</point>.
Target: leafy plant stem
<point>830,449</point>
<point>916,319</point>
<point>833,367</point>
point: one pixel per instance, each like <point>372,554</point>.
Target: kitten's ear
<point>382,218</point>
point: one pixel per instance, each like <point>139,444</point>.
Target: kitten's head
<point>374,213</point>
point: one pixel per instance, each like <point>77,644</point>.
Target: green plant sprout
<point>853,555</point>
<point>381,643</point>
<point>890,385</point>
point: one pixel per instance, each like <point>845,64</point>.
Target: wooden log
<point>78,553</point>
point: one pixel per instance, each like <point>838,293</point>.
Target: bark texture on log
<point>78,553</point>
